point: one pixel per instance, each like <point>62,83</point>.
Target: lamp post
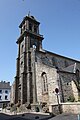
<point>57,94</point>
<point>78,117</point>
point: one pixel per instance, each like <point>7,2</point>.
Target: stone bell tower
<point>29,41</point>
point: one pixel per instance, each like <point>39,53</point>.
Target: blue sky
<point>60,25</point>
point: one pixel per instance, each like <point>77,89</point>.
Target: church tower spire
<point>30,27</point>
<point>28,40</point>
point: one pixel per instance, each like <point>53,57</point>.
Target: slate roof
<point>5,85</point>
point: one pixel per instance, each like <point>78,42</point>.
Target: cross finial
<point>29,13</point>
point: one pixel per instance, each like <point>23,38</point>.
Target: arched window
<point>21,64</point>
<point>35,29</point>
<point>30,26</point>
<point>44,82</point>
<point>22,47</point>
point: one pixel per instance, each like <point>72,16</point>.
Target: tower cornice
<point>29,33</point>
<point>30,18</point>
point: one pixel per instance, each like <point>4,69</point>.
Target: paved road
<point>17,118</point>
<point>31,116</point>
<point>26,116</point>
<point>65,117</point>
<point>4,116</point>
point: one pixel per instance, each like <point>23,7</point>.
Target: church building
<point>39,72</point>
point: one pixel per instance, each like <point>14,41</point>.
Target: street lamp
<point>57,94</point>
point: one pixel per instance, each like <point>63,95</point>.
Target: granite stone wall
<point>70,107</point>
<point>68,87</point>
<point>53,65</point>
<point>50,96</point>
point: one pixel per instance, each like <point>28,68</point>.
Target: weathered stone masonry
<point>39,72</point>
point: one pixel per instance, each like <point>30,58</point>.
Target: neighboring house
<point>5,90</point>
<point>39,72</point>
